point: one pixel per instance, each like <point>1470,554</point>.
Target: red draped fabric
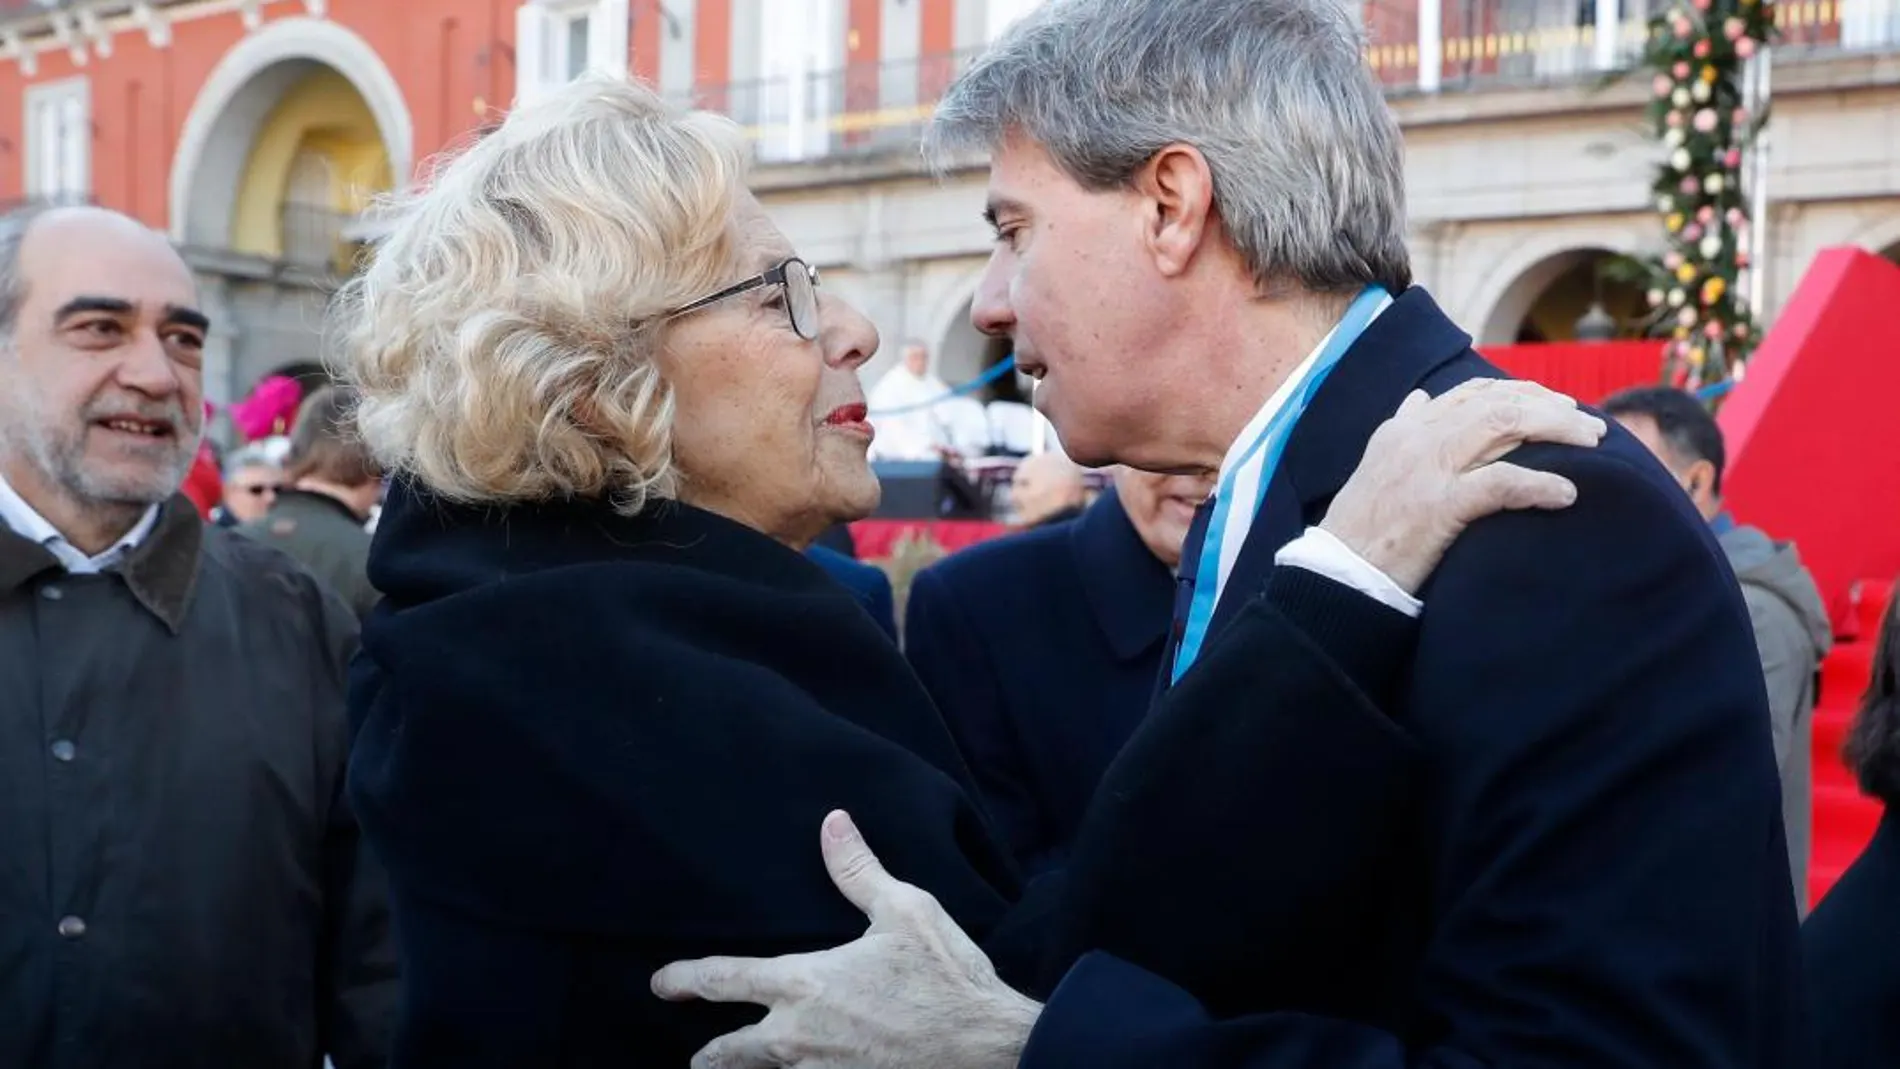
<point>876,539</point>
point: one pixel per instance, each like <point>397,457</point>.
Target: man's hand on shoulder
<point>915,982</point>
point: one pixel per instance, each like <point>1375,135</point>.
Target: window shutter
<point>607,38</point>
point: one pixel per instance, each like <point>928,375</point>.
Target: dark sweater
<point>590,745</point>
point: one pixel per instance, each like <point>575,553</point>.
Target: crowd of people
<point>1381,711</point>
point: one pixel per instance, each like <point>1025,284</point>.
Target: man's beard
<point>55,444</point>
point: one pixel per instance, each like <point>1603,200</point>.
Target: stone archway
<point>229,111</point>
<point>963,353</point>
<point>1544,300</point>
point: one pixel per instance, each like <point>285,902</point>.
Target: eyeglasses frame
<point>776,275</point>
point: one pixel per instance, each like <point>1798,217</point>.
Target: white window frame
<point>800,43</point>
<point>542,29</point>
<point>58,135</point>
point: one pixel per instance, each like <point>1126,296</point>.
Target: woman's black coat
<point>588,745</point>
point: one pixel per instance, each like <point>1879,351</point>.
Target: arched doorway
<point>965,353</point>
<point>296,130</point>
<point>1550,300</point>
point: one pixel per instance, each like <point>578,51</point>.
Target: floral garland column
<point>1698,51</point>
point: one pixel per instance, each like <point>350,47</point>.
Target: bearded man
<point>182,884</point>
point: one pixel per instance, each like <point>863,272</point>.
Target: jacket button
<point>64,750</point>
<point>72,927</point>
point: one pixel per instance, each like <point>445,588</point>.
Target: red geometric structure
<point>1814,456</point>
<point>1814,430</point>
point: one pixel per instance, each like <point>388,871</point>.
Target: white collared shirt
<point>28,523</point>
<point>1315,550</point>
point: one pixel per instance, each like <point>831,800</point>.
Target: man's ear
<point>1699,479</point>
<point>1177,190</point>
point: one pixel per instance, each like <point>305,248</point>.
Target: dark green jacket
<point>322,534</point>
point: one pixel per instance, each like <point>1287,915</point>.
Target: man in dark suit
<point>1041,650</point>
<point>866,581</point>
<point>1562,844</point>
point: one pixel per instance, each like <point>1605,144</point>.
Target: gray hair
<point>13,229</point>
<point>255,455</point>
<point>1307,160</point>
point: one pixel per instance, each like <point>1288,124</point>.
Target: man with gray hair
<point>182,881</point>
<point>1558,842</point>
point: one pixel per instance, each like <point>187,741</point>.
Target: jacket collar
<point>161,571</point>
<point>1400,349</point>
<point>1397,352</point>
<point>1130,592</point>
<point>312,504</point>
<point>426,547</point>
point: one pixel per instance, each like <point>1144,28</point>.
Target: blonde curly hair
<point>501,342</point>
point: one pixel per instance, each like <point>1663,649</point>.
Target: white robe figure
<point>912,434</point>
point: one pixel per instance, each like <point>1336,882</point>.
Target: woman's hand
<point>913,983</point>
<point>1433,468</point>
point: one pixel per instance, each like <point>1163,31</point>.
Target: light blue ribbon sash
<point>1272,440</point>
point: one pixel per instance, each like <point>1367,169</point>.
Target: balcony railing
<point>861,109</point>
<point>1417,46</point>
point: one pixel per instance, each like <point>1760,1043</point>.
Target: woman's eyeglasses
<point>260,490</point>
<point>800,281</point>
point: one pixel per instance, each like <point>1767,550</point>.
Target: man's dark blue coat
<point>1041,650</point>
<point>1561,846</point>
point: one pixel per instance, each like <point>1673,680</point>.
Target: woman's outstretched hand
<point>914,982</point>
<point>1434,467</point>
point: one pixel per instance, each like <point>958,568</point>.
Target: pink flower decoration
<point>1692,232</point>
<point>1713,330</point>
<point>1681,70</point>
<point>1733,158</point>
<point>1673,119</point>
<point>1690,187</point>
<point>1662,85</point>
<point>1701,49</point>
<point>1680,25</point>
<point>1705,214</point>
<point>1741,258</point>
<point>1739,117</point>
<point>1745,47</point>
<point>269,409</point>
<point>1672,260</point>
<point>1734,217</point>
<point>1733,29</point>
<point>1702,5</point>
<point>1705,121</point>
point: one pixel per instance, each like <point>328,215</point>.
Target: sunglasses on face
<point>260,490</point>
<point>800,282</point>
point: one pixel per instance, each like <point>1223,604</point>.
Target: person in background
<point>1042,650</point>
<point>1047,488</point>
<point>252,479</point>
<point>332,486</point>
<point>184,885</point>
<point>906,430</point>
<point>1851,942</point>
<point>867,583</point>
<point>1792,631</point>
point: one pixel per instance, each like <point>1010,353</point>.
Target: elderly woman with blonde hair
<point>605,703</point>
